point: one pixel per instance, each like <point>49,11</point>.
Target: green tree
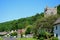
<point>58,9</point>
<point>29,29</point>
<point>44,23</point>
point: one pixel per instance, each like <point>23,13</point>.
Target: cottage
<point>57,28</point>
<point>20,31</point>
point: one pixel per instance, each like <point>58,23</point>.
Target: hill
<point>24,22</point>
<point>20,23</point>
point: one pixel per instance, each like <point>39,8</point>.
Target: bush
<point>28,30</point>
<point>13,34</point>
<point>41,38</point>
<point>54,38</point>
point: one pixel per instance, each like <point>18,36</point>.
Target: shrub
<point>54,38</point>
<point>28,29</point>
<point>41,38</point>
<point>13,34</point>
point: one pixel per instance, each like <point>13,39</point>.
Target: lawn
<point>26,39</point>
<point>1,38</point>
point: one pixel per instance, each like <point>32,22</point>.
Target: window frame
<point>56,35</point>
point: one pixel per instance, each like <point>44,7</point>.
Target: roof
<point>21,30</point>
<point>3,33</point>
<point>57,21</point>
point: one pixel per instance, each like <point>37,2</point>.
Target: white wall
<point>57,31</point>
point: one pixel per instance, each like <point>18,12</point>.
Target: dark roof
<point>57,21</point>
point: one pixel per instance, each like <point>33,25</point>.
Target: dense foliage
<point>13,34</point>
<point>44,27</point>
<point>29,29</point>
<point>58,9</point>
<point>20,23</point>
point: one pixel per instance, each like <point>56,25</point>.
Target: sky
<point>15,9</point>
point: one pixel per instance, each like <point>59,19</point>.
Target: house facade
<point>57,28</point>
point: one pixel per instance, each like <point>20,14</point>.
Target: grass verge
<point>26,39</point>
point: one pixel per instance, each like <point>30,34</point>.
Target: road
<point>8,38</point>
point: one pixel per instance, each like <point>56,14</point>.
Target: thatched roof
<point>57,21</point>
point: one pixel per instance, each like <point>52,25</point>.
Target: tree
<point>20,26</point>
<point>44,23</point>
<point>29,29</point>
<point>58,9</point>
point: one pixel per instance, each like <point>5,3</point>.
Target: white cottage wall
<point>57,31</point>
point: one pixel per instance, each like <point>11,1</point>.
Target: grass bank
<point>26,39</point>
<point>1,38</point>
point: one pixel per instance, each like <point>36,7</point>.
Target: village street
<point>8,38</point>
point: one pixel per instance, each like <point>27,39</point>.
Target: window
<point>56,35</point>
<point>56,27</point>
